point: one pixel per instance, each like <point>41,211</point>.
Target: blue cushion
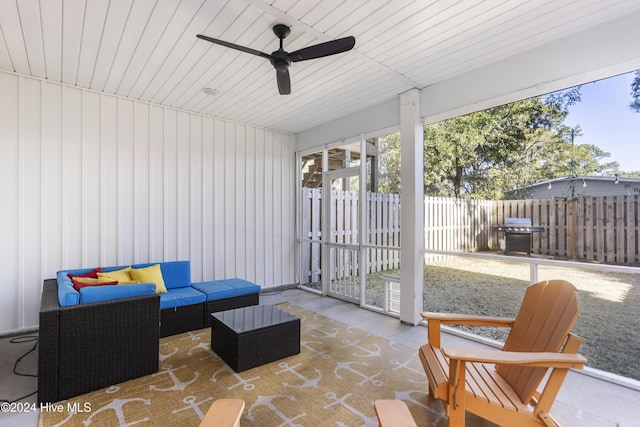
<point>177,297</point>
<point>176,274</point>
<point>105,293</point>
<point>226,288</point>
<point>68,296</point>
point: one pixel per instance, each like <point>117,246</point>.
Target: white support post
<point>325,266</point>
<point>533,273</point>
<point>363,227</point>
<point>411,208</point>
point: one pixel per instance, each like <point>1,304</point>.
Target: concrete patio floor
<point>583,401</point>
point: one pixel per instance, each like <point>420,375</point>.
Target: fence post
<point>572,229</point>
<point>533,273</point>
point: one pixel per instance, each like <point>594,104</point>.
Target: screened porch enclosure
<point>383,235</point>
<point>359,238</point>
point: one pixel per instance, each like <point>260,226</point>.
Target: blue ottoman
<point>227,294</point>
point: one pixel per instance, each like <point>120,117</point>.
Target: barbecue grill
<point>517,233</point>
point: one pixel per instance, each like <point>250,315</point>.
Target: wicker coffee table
<point>252,336</point>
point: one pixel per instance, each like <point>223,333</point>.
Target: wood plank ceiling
<point>147,49</point>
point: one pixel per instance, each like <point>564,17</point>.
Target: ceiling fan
<point>280,59</point>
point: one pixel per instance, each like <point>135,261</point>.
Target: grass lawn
<point>610,304</point>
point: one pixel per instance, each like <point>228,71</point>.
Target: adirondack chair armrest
<point>434,320</point>
<point>224,413</point>
<point>467,319</point>
<point>539,359</point>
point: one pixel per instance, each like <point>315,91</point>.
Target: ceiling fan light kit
<point>210,91</point>
<point>281,59</point>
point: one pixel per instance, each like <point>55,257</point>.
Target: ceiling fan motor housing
<point>281,31</point>
<point>280,59</point>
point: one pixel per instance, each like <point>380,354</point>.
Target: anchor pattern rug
<point>334,381</point>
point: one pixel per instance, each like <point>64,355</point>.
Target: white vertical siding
<point>170,184</point>
<point>29,196</point>
<point>208,200</point>
<point>156,183</point>
<point>142,182</point>
<point>183,190</point>
<point>90,179</point>
<point>229,197</point>
<point>269,221</point>
<point>259,220</point>
<point>240,202</point>
<point>9,208</point>
<point>219,160</point>
<point>125,167</point>
<point>52,153</point>
<point>250,204</point>
<point>196,185</point>
<point>108,210</point>
<point>72,202</point>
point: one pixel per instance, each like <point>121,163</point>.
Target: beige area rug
<point>339,373</point>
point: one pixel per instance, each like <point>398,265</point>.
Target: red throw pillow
<point>93,274</point>
<point>79,285</point>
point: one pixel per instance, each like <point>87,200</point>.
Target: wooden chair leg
<point>431,392</point>
<point>455,402</point>
<point>393,413</point>
<point>224,413</point>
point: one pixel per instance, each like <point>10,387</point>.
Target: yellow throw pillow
<point>117,275</point>
<point>151,274</point>
<point>88,280</point>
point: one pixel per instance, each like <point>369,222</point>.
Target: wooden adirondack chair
<point>502,385</point>
<point>224,413</point>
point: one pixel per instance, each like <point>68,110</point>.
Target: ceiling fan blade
<point>323,49</point>
<point>284,82</point>
<point>234,46</point>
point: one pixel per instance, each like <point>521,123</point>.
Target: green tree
<point>485,154</point>
<point>389,164</point>
<point>635,93</point>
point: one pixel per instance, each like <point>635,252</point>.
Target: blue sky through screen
<point>608,122</point>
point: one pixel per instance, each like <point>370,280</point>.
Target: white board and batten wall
<point>88,179</point>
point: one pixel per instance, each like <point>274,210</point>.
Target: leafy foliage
<point>635,93</point>
<point>485,154</point>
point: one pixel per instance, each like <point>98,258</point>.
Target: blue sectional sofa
<point>99,334</point>
<point>227,294</point>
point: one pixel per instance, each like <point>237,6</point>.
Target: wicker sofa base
<point>86,347</point>
<point>181,319</point>
<point>90,346</point>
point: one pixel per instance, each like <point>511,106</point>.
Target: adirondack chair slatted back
<point>549,310</point>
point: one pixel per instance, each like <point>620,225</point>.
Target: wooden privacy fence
<point>383,232</point>
<point>456,225</point>
<point>602,229</point>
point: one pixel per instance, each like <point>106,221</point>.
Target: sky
<point>607,121</point>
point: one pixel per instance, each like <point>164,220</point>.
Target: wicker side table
<point>252,336</point>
